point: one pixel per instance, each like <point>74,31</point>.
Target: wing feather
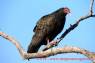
<point>44,24</point>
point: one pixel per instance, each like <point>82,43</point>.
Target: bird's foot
<point>53,43</point>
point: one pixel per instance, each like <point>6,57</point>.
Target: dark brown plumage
<point>48,27</point>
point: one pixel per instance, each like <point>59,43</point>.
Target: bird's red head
<point>66,10</point>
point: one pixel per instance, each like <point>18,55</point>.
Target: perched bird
<point>47,28</point>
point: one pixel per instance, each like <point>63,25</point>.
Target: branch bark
<point>49,52</point>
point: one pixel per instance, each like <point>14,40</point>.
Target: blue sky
<point>18,18</point>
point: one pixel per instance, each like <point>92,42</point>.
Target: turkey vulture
<point>48,27</point>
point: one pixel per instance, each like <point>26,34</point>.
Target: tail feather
<point>35,43</point>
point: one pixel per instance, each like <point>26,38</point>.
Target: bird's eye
<point>66,11</point>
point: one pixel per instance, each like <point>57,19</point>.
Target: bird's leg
<point>48,41</point>
<point>51,42</point>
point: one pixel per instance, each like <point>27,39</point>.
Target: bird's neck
<point>60,16</point>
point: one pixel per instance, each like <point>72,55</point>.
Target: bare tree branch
<point>91,7</point>
<point>49,52</point>
<point>15,42</point>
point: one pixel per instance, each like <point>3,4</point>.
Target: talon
<point>53,43</point>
